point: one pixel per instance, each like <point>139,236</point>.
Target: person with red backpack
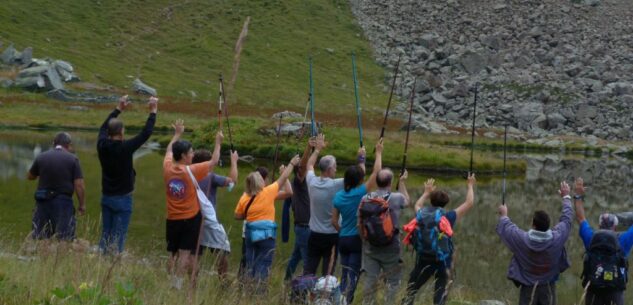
<point>432,240</point>
<point>605,268</point>
<point>346,203</point>
<point>378,219</point>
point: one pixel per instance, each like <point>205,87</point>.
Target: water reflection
<point>481,259</point>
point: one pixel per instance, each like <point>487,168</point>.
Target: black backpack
<point>605,267</point>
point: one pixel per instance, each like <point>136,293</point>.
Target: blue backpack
<point>430,242</point>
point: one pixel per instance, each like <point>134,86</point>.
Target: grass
<point>182,47</point>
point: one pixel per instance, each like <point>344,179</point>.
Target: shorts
<point>182,234</point>
<point>54,217</point>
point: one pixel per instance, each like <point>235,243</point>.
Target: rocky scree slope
<point>547,67</point>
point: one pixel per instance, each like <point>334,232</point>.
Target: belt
<point>304,225</point>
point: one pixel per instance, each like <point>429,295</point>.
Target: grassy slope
<point>182,46</point>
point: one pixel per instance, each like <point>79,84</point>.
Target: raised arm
<point>319,145</point>
<point>429,187</point>
<point>564,224</point>
<point>470,198</point>
<point>179,129</point>
<point>215,157</point>
<point>136,142</point>
<point>301,171</point>
<point>402,187</point>
<point>103,130</point>
<point>283,177</point>
<point>285,191</point>
<point>579,190</point>
<point>370,183</point>
<point>233,172</point>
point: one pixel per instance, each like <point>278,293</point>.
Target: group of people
<point>353,218</point>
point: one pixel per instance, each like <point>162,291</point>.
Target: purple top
<point>538,257</point>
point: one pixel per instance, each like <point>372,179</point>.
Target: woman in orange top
<point>183,210</point>
<point>257,206</point>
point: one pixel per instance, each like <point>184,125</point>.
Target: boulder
<point>54,80</point>
<point>622,88</point>
<point>9,55</point>
<point>140,87</point>
<point>491,302</point>
<point>5,82</point>
<point>526,114</point>
<point>287,115</point>
<point>586,111</point>
<point>31,82</point>
<point>33,71</point>
<point>554,120</point>
<point>473,62</point>
<point>27,56</point>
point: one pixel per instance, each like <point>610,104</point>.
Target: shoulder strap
<point>248,206</point>
<point>193,179</point>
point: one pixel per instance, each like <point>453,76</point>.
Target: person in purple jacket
<point>539,255</point>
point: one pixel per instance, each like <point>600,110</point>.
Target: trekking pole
<point>505,173</point>
<point>406,141</point>
<point>226,113</point>
<point>313,129</point>
<point>393,85</point>
<point>220,103</point>
<point>472,141</point>
<point>275,156</point>
<point>358,114</point>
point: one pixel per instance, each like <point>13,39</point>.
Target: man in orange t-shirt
<point>183,210</point>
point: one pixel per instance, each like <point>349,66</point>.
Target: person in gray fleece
<point>539,254</point>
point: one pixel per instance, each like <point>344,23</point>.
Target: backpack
<point>605,266</point>
<point>376,220</point>
<point>430,242</point>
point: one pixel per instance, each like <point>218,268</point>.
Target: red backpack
<point>376,221</point>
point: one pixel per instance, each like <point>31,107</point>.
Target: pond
<point>481,259</point>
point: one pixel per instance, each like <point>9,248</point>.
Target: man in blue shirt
<point>607,222</point>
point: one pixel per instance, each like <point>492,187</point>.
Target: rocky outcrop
<point>546,67</point>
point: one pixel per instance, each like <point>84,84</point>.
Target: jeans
<point>259,259</point>
<point>320,248</point>
<point>300,251</point>
<point>389,264</point>
<point>421,273</point>
<point>351,250</point>
<point>115,218</point>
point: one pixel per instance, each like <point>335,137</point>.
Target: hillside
<point>180,47</point>
<point>547,67</point>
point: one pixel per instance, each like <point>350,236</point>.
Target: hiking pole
<point>358,115</point>
<point>393,85</point>
<point>406,141</point>
<point>275,156</point>
<point>226,113</point>
<point>313,129</point>
<point>472,141</point>
<point>220,103</point>
<point>505,173</point>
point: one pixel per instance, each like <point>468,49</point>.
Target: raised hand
<point>503,210</point>
<point>153,104</point>
<point>234,156</point>
<point>471,180</point>
<point>123,102</point>
<point>564,189</point>
<point>219,136</point>
<point>579,186</point>
<point>295,160</point>
<point>429,185</point>
<point>404,175</point>
<point>379,146</point>
<point>179,127</point>
<point>320,142</point>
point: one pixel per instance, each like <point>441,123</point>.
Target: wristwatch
<point>579,197</point>
<point>567,197</point>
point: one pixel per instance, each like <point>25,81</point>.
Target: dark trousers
<point>320,249</point>
<point>538,295</point>
<point>421,273</point>
<point>54,217</point>
<point>350,248</point>
<point>605,298</point>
